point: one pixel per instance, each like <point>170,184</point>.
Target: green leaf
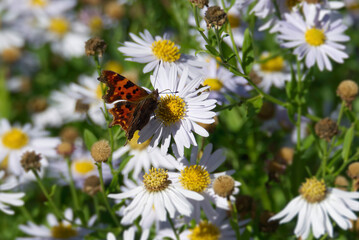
<point>89,139</point>
<point>248,53</point>
<point>256,103</point>
<point>4,97</point>
<point>348,139</point>
<point>53,190</point>
<point>212,50</point>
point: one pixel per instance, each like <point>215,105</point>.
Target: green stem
<point>113,216</point>
<point>234,219</point>
<point>196,17</point>
<point>219,42</point>
<point>72,187</point>
<point>299,110</point>
<point>47,195</point>
<point>26,213</point>
<point>324,161</point>
<point>173,226</point>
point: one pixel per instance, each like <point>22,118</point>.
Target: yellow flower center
<point>315,37</point>
<point>275,64</point>
<point>195,178</point>
<point>134,145</point>
<point>96,24</point>
<point>84,166</point>
<point>234,20</point>
<point>114,66</point>
<point>38,3</point>
<point>4,163</point>
<point>170,109</point>
<point>165,50</point>
<point>15,139</point>
<point>205,231</point>
<point>63,232</point>
<point>291,3</point>
<point>99,91</point>
<point>214,83</point>
<point>156,180</point>
<point>313,190</point>
<point>59,26</point>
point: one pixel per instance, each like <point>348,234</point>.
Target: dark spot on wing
<point>128,85</point>
<point>119,88</point>
<point>128,95</point>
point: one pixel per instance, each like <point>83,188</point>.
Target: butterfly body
<point>135,111</point>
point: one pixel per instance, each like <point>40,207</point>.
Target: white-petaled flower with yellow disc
<point>82,167</point>
<point>198,176</point>
<point>272,71</point>
<point>142,158</point>
<point>16,140</point>
<point>157,194</point>
<point>158,51</point>
<point>181,107</point>
<point>9,198</point>
<point>314,37</point>
<point>55,230</point>
<point>315,205</point>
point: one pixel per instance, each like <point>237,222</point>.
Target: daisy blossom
<point>273,71</point>
<point>158,51</point>
<point>141,158</point>
<point>7,198</point>
<point>159,194</point>
<point>314,207</point>
<point>16,140</point>
<point>198,176</point>
<point>313,39</point>
<point>56,230</point>
<point>179,112</point>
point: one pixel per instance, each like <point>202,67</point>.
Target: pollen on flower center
<point>313,190</point>
<point>315,37</point>
<point>205,231</point>
<point>170,109</point>
<point>275,64</point>
<point>84,166</point>
<point>61,231</point>
<point>137,146</point>
<point>165,50</point>
<point>214,83</point>
<point>39,3</point>
<point>59,26</point>
<point>195,178</point>
<point>156,180</point>
<point>15,139</point>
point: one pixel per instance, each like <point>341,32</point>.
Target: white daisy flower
<point>16,140</point>
<point>10,39</point>
<point>159,194</point>
<point>142,158</point>
<point>7,198</point>
<point>272,72</point>
<point>158,51</point>
<point>222,82</point>
<point>198,176</point>
<point>314,207</point>
<point>129,234</point>
<point>82,167</point>
<point>313,39</point>
<point>56,230</point>
<point>179,112</point>
<point>218,228</point>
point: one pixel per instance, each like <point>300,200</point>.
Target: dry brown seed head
<point>215,17</point>
<point>30,160</point>
<point>326,129</point>
<point>101,151</point>
<point>223,186</point>
<point>95,46</point>
<point>92,185</point>
<point>353,170</point>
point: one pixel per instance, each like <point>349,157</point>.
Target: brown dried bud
<point>223,186</point>
<point>245,205</point>
<point>81,107</point>
<point>200,3</point>
<point>265,225</point>
<point>353,170</point>
<point>210,127</point>
<point>11,55</point>
<point>69,134</point>
<point>92,185</point>
<point>101,151</point>
<point>256,79</point>
<point>286,155</point>
<point>341,182</point>
<point>95,46</point>
<point>267,111</point>
<point>215,17</point>
<point>114,10</point>
<point>347,91</point>
<point>37,105</point>
<point>65,149</point>
<point>30,160</point>
<point>326,129</point>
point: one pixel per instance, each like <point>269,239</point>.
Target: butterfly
<point>135,111</point>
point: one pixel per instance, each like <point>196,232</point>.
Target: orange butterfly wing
<point>122,114</point>
<point>120,88</point>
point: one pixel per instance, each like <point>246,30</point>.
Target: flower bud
<point>200,3</point>
<point>30,160</point>
<point>95,46</point>
<point>69,134</point>
<point>92,185</point>
<point>65,149</point>
<point>353,170</point>
<point>215,17</point>
<point>347,91</point>
<point>223,186</point>
<point>101,151</point>
<point>326,129</point>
